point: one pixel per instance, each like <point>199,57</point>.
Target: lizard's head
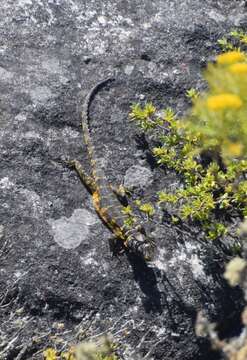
<point>142,244</point>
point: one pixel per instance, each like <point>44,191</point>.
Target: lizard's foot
<point>146,251</point>
<point>71,163</point>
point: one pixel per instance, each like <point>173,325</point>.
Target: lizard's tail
<point>85,125</point>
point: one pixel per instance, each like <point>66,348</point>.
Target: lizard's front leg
<point>121,194</point>
<point>87,180</point>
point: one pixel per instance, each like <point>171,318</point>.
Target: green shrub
<point>214,129</point>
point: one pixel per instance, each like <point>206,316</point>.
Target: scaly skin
<point>105,201</point>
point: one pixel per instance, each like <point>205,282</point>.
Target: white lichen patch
<point>129,69</point>
<point>51,65</point>
<point>6,184</point>
<point>24,2</point>
<point>68,134</point>
<point>18,274</point>
<point>216,16</point>
<point>21,117</point>
<point>160,261</point>
<point>3,49</point>
<point>196,263</point>
<point>102,20</point>
<point>178,257</point>
<point>184,257</point>
<point>70,232</point>
<point>31,135</point>
<point>89,259</point>
<point>133,309</point>
<point>26,198</point>
<point>198,269</point>
<point>5,75</point>
<point>41,94</point>
<point>1,231</point>
<point>34,200</point>
<point>146,25</point>
<point>31,10</point>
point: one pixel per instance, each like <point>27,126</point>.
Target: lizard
<point>106,200</point>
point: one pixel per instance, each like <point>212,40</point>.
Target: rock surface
<point>55,263</point>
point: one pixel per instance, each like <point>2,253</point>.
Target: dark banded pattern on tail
<point>105,202</point>
<point>97,170</point>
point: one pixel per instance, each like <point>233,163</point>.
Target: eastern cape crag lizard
<point>105,201</point>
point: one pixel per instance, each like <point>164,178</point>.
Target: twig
<point>22,352</point>
<point>152,348</point>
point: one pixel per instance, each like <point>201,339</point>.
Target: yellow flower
<point>50,354</point>
<point>234,149</point>
<point>230,57</point>
<point>224,101</point>
<point>239,68</point>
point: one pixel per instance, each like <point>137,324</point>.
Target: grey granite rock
<point>137,177</point>
<point>55,263</point>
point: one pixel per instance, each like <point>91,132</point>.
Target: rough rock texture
<point>55,263</point>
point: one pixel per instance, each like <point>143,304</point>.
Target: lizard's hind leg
<point>87,180</point>
<point>116,246</point>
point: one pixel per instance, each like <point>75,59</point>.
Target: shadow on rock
<point>146,278</point>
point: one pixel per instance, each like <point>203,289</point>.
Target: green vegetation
<point>225,44</point>
<point>235,40</point>
<point>101,350</point>
<point>145,208</point>
<point>207,148</point>
<point>192,94</point>
<point>131,219</point>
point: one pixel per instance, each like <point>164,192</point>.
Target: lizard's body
<point>105,201</point>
